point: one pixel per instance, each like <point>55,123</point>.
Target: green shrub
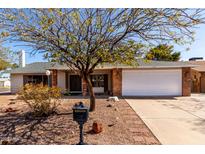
<point>42,100</point>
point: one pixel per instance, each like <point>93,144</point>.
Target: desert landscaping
<point>120,124</point>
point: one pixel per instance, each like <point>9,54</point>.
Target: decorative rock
<point>12,102</point>
<point>109,105</point>
<point>113,98</point>
<point>5,142</point>
<point>8,142</point>
<point>110,125</point>
<point>10,110</point>
<point>97,127</point>
<point>116,109</point>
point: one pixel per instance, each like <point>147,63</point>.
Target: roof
<point>200,65</point>
<point>41,67</point>
<point>37,67</point>
<point>141,64</point>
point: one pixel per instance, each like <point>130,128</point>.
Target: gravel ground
<point>120,124</point>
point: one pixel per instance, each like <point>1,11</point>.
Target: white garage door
<point>152,82</point>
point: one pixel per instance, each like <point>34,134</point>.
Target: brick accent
<point>84,87</point>
<point>54,78</point>
<point>140,132</point>
<point>202,82</point>
<point>117,82</point>
<point>186,81</point>
<point>196,81</point>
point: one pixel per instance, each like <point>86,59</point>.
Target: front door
<point>75,83</point>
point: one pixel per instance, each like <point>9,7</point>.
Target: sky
<point>197,49</point>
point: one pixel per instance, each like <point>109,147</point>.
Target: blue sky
<point>197,49</point>
<point>34,58</point>
<point>30,58</point>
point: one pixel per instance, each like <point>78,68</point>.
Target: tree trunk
<point>91,92</point>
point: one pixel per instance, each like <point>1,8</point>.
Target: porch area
<point>105,82</point>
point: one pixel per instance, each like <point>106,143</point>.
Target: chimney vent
<point>196,59</point>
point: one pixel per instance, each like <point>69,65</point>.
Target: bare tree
<point>85,38</point>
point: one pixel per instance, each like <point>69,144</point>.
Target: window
<point>35,79</point>
<point>97,80</point>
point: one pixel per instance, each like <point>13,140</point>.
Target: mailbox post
<point>80,115</point>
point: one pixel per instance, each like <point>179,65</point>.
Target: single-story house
<point>198,76</point>
<point>149,78</point>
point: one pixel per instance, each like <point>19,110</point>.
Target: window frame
<point>98,80</point>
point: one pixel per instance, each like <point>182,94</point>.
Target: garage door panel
<point>151,82</point>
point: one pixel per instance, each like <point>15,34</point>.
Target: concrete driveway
<point>178,120</point>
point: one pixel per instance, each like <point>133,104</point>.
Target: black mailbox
<point>80,113</point>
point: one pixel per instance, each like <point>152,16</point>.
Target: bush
<point>42,100</point>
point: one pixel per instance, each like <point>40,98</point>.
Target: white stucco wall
<point>16,82</point>
<point>61,80</point>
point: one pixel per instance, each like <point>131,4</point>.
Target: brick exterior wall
<point>116,82</point>
<point>186,81</point>
<point>198,81</point>
<point>195,81</point>
<point>202,82</point>
<point>54,78</point>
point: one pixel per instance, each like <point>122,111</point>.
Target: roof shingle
<point>41,67</point>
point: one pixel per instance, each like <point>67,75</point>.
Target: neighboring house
<point>152,78</point>
<point>198,76</point>
<point>5,79</point>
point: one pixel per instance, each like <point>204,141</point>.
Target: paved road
<point>178,120</point>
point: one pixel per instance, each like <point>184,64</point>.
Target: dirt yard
<point>120,124</point>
